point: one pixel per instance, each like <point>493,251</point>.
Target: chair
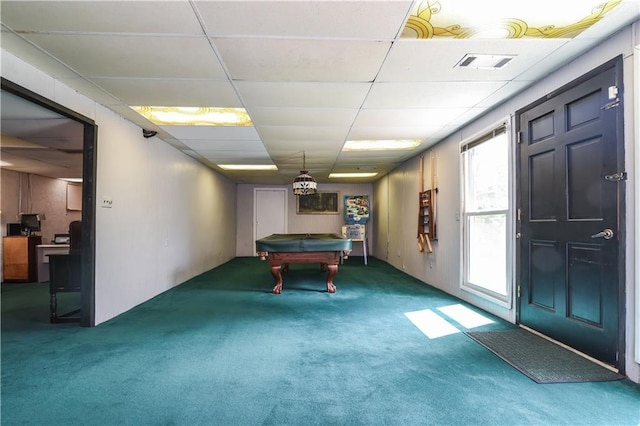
<point>65,274</point>
<point>75,235</point>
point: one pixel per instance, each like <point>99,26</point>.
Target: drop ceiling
<point>311,74</point>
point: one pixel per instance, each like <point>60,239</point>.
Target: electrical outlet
<point>107,202</point>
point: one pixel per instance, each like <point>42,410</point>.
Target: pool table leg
<point>277,274</point>
<point>333,270</point>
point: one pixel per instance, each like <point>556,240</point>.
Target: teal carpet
<point>220,349</point>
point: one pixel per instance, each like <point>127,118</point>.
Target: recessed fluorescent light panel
<point>74,180</point>
<point>194,116</point>
<point>381,145</point>
<point>485,62</point>
<point>351,175</point>
<point>247,167</point>
<point>501,19</point>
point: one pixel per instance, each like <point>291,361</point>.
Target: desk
<point>42,258</point>
<point>282,249</point>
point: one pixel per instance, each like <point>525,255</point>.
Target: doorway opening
<point>89,146</point>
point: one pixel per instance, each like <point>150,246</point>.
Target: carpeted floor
<point>220,349</point>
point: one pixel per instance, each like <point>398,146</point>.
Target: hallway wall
<point>398,193</point>
<point>172,218</point>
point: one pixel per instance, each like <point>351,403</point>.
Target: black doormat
<point>541,360</point>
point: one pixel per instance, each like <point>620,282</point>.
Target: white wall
<point>172,217</point>
<point>298,223</point>
<point>442,268</point>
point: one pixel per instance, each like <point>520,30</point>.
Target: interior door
<point>270,212</point>
<point>570,209</point>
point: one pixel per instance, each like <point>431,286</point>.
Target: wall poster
<point>356,209</point>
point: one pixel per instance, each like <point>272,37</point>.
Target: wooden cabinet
<point>19,258</point>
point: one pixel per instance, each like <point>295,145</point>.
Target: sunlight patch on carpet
<point>431,324</point>
<point>465,316</point>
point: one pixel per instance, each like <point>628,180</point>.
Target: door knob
<point>607,234</point>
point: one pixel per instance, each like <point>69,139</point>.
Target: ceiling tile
<point>457,94</point>
<point>506,91</point>
<point>224,145</point>
<point>30,54</point>
<point>302,60</point>
<point>434,60</point>
<point>426,118</point>
<point>361,132</point>
<point>623,14</point>
<point>237,157</point>
<point>171,92</point>
<point>314,117</point>
<point>213,132</point>
<point>309,145</point>
<point>323,135</point>
<point>302,94</point>
<point>102,16</point>
<point>376,20</point>
<point>133,56</point>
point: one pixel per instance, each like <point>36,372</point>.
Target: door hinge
<point>616,177</point>
<point>519,137</point>
<point>519,293</point>
<point>519,215</point>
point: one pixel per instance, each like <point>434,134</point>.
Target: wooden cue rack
<point>426,211</point>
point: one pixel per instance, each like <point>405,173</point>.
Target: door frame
<point>89,151</point>
<point>617,64</point>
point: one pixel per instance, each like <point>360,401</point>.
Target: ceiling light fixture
<point>247,167</point>
<point>194,116</point>
<point>352,175</point>
<point>381,145</point>
<point>304,184</point>
<point>491,19</point>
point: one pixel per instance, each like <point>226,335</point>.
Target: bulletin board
<point>356,209</point>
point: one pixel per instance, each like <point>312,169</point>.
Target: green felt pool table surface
<point>303,243</point>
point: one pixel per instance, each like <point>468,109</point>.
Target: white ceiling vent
<point>484,61</point>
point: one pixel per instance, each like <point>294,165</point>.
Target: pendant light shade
<point>304,184</point>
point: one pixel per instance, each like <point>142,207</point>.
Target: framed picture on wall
<point>356,209</point>
<point>318,203</point>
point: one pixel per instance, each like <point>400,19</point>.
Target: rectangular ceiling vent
<point>486,62</point>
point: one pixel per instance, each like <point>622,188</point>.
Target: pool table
<point>283,249</point>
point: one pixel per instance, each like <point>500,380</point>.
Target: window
<point>486,223</point>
